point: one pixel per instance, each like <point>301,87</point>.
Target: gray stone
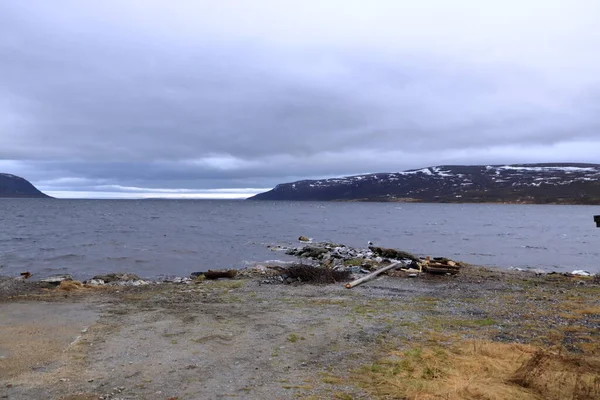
<point>56,279</point>
<point>580,272</point>
<point>116,277</point>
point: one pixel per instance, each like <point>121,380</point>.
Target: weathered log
<point>372,275</point>
<point>438,268</point>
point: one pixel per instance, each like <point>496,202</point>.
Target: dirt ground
<point>247,340</point>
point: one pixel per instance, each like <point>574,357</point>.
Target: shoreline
<point>251,338</point>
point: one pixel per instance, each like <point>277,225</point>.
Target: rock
<point>538,271</point>
<point>304,239</point>
<point>116,277</point>
<point>133,282</point>
<point>580,272</point>
<point>308,252</point>
<point>177,279</point>
<point>25,275</point>
<point>194,275</point>
<point>392,253</point>
<point>57,279</point>
<point>354,269</point>
<point>96,282</point>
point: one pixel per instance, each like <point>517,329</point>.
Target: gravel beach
<point>241,338</point>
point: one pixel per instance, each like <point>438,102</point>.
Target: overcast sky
<point>125,98</point>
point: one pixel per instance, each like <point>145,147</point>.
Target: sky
<point>224,99</point>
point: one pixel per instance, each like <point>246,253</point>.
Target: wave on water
<point>85,238</point>
<point>124,258</point>
<point>250,264</point>
<point>66,257</point>
<point>184,251</point>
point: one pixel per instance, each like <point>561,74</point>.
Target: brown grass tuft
<point>74,286</point>
<point>309,274</point>
<point>559,376</point>
<point>68,286</point>
<point>483,371</point>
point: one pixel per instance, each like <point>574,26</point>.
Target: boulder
<point>313,252</point>
<point>308,252</point>
<point>304,239</point>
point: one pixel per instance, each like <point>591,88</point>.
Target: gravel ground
<point>247,340</point>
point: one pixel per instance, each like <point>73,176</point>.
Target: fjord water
<point>176,237</point>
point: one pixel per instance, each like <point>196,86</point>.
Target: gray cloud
<point>207,96</point>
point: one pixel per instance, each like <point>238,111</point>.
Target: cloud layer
<point>189,97</point>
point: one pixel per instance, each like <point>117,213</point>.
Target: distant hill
<point>519,183</point>
<point>15,186</point>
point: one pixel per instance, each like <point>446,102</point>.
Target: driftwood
<point>441,269</point>
<point>372,275</point>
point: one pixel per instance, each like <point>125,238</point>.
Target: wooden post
<point>370,276</point>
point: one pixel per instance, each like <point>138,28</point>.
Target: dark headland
<point>17,187</point>
<point>558,183</point>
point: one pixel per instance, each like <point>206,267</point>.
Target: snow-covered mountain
<point>520,183</point>
<point>15,186</point>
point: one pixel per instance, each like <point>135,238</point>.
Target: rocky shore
<point>348,262</point>
<point>429,327</point>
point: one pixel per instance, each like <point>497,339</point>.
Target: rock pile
<point>117,279</point>
<point>364,260</point>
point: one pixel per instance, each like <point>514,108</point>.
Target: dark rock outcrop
<point>117,277</point>
<point>393,253</point>
<point>15,186</point>
<point>522,183</point>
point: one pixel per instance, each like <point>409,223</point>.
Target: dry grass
<point>318,275</point>
<point>75,286</point>
<point>69,286</point>
<point>481,370</point>
<point>559,376</point>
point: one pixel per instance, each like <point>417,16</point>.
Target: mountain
<point>519,183</point>
<point>15,186</point>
